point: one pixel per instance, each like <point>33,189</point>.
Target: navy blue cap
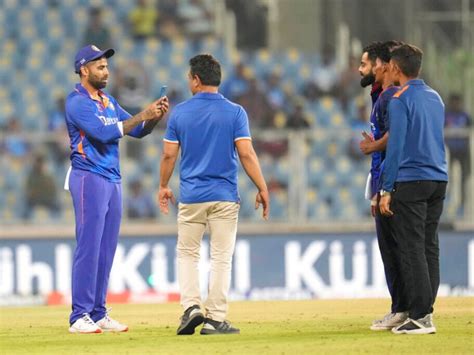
<point>88,54</point>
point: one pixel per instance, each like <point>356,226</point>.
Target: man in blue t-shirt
<point>95,123</point>
<point>414,183</point>
<point>211,131</point>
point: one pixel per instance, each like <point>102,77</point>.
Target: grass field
<point>287,327</point>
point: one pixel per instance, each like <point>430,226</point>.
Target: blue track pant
<point>98,212</point>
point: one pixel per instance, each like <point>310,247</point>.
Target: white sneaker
<point>384,318</point>
<point>416,326</point>
<point>108,324</point>
<point>391,320</point>
<point>84,325</point>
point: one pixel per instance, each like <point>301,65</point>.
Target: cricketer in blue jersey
<point>379,124</point>
<point>95,123</point>
<point>210,131</point>
<point>366,70</point>
<point>414,185</point>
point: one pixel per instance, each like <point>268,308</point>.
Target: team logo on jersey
<point>107,121</point>
<point>95,48</point>
<point>111,105</point>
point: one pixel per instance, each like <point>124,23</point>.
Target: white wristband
<point>120,127</point>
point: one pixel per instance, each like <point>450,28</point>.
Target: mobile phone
<point>163,91</point>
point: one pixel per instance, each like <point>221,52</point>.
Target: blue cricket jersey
<point>375,92</point>
<point>95,127</point>
<point>206,128</point>
<point>379,124</point>
<point>415,148</point>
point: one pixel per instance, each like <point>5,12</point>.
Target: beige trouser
<point>192,221</point>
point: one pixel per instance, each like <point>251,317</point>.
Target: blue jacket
<point>415,148</point>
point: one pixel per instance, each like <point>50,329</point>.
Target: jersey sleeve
<point>83,115</point>
<point>122,114</point>
<point>241,126</point>
<point>171,134</point>
<point>396,141</point>
<point>384,109</point>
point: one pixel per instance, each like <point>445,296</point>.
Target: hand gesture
<point>365,145</point>
<point>264,199</point>
<point>373,206</point>
<point>157,109</point>
<point>164,195</point>
<point>384,205</point>
<point>163,105</point>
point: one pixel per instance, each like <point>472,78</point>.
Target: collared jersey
<point>415,148</point>
<point>95,127</point>
<point>206,127</point>
<point>379,124</point>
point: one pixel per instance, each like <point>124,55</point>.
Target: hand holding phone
<point>163,91</point>
<point>163,100</point>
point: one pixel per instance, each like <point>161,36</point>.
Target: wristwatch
<point>384,193</point>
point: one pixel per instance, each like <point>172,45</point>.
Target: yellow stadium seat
<point>293,55</point>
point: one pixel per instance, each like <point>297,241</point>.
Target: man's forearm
<point>377,146</point>
<point>150,126</point>
<point>381,144</point>
<point>132,122</point>
<point>166,170</point>
<point>252,168</point>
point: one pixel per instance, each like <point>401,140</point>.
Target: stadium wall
<point>266,266</point>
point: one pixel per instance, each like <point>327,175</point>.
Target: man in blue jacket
<point>414,185</point>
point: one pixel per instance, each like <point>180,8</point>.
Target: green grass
<point>287,327</point>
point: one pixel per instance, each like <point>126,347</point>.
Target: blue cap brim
<point>106,53</point>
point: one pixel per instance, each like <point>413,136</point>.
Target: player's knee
<point>187,252</point>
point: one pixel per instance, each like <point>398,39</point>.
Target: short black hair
<point>372,50</point>
<point>393,43</point>
<point>206,68</point>
<point>408,58</point>
<point>384,51</point>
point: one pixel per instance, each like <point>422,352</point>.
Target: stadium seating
<point>38,41</point>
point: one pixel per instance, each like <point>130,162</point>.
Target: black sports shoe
<point>191,318</point>
<point>215,327</point>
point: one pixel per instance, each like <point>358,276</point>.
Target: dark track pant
<point>388,250</point>
<point>417,207</point>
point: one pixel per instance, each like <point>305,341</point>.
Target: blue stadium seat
<point>279,206</point>
<point>11,18</point>
<point>38,43</point>
<point>247,204</point>
<point>316,170</point>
